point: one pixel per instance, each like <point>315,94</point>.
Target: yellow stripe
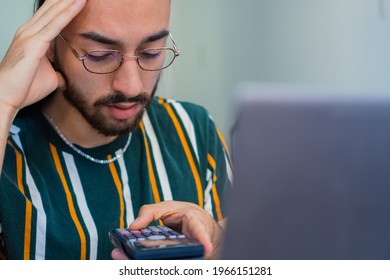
<point>223,143</point>
<point>216,199</point>
<point>28,218</point>
<point>153,182</point>
<point>83,240</point>
<point>188,153</point>
<point>118,185</point>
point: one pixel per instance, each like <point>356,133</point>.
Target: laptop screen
<point>312,175</point>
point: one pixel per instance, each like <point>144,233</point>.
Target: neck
<point>72,124</point>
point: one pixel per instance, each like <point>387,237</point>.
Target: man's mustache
<point>112,99</point>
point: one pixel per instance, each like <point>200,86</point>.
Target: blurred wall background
<point>341,43</point>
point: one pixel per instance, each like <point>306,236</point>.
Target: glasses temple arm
<point>175,48</point>
<point>75,53</point>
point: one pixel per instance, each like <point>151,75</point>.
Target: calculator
<point>156,242</point>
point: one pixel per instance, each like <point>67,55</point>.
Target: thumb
<point>61,82</point>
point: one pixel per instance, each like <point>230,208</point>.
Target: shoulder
<point>181,110</point>
<point>28,120</point>
<point>170,118</point>
<point>24,126</point>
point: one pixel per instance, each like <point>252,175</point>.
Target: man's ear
<point>51,51</point>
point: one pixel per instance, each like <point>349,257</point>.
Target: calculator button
<point>166,234</point>
<point>146,234</point>
<point>156,237</point>
<point>131,238</point>
<point>154,229</point>
<point>139,236</point>
<point>165,228</point>
<point>178,235</point>
<point>123,231</point>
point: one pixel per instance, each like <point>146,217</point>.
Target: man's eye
<point>101,56</point>
<point>150,54</point>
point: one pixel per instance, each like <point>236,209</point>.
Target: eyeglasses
<point>108,61</point>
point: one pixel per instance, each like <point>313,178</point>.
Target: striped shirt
<point>56,204</point>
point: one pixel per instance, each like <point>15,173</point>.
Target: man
<point>101,151</point>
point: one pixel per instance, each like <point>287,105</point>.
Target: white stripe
<point>82,204</point>
<point>14,130</point>
<point>188,126</point>
<point>229,170</point>
<point>41,216</point>
<point>40,241</point>
<point>157,156</point>
<point>208,206</point>
<point>126,190</point>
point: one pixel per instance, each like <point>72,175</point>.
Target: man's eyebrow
<point>156,37</point>
<point>93,36</point>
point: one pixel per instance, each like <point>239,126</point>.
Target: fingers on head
<point>51,18</point>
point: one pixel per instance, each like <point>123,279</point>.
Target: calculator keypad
<point>150,233</point>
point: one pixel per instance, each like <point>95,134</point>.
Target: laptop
<point>312,175</point>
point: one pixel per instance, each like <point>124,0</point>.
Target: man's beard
<point>95,117</point>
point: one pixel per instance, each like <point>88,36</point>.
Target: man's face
<point>113,103</point>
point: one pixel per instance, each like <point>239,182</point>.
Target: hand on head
<point>26,75</point>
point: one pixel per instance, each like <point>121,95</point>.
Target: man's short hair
<point>38,4</point>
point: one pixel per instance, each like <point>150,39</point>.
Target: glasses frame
<point>175,50</point>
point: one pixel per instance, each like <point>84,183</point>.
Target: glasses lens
<point>102,61</point>
<point>156,59</point>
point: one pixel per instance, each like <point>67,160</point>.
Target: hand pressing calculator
<point>156,242</point>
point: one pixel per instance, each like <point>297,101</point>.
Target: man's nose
<point>127,78</point>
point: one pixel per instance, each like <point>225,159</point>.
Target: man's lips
<point>123,111</point>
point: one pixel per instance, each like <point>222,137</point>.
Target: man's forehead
<point>121,17</point>
<point>124,6</point>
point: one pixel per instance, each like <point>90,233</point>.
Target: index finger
<point>60,16</point>
<point>52,17</point>
<point>148,214</point>
<point>39,12</point>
